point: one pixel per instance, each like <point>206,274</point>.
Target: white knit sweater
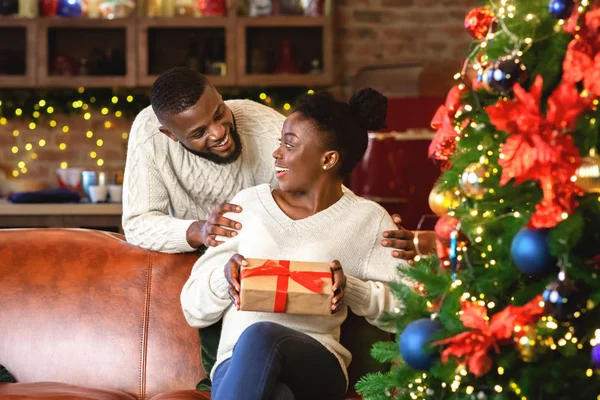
<point>349,231</point>
<point>167,188</point>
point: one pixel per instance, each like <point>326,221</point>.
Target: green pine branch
<point>386,352</point>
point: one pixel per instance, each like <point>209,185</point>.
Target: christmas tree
<point>507,309</point>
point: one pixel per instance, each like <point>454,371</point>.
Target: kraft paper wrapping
<point>258,293</point>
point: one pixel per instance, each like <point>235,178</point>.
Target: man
<point>188,155</point>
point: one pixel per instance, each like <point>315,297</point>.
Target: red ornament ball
<point>478,22</point>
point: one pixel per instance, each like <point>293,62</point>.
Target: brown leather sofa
<point>85,315</point>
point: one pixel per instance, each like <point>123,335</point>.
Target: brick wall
<point>378,32</point>
<point>369,32</point>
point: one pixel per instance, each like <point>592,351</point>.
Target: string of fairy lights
<point>44,114</point>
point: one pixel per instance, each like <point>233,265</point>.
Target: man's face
<point>206,129</point>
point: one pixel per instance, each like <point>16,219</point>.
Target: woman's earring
<point>324,166</point>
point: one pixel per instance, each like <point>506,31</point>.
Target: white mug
<point>115,193</point>
<point>98,193</point>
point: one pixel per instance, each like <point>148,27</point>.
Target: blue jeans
<point>272,362</point>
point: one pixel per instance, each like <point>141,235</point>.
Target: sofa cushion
<point>58,391</point>
<point>87,308</point>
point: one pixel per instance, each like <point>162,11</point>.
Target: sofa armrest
<point>183,395</point>
<point>58,391</point>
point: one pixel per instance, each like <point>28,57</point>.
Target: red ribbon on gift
<point>313,281</point>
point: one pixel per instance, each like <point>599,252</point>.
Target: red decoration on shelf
<point>538,150</point>
<point>286,63</point>
<point>49,8</point>
<point>478,22</point>
<point>443,144</point>
<point>211,8</point>
<point>472,347</point>
<point>582,61</point>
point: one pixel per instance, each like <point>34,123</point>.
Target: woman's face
<point>299,159</point>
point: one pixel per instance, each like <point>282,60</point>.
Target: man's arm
<point>146,219</point>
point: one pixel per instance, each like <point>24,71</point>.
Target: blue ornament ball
<point>561,9</point>
<point>414,343</point>
<point>596,356</point>
<point>531,253</point>
<point>505,73</point>
<point>69,8</point>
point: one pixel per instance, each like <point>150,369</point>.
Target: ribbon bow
<point>311,280</point>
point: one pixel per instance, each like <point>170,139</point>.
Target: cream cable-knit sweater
<point>348,231</point>
<point>167,188</point>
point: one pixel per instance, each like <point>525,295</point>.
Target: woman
<point>310,218</point>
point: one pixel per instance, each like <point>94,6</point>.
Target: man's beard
<point>237,140</point>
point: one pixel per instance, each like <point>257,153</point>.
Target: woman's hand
<point>232,274</point>
<point>339,284</point>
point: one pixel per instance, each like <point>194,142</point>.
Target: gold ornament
<point>526,342</point>
<point>588,173</point>
<point>472,178</point>
<point>440,201</point>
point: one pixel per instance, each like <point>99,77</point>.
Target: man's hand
<point>205,232</point>
<point>401,240</point>
<point>232,274</point>
<point>339,284</point>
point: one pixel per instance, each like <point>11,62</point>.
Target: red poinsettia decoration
<point>443,144</point>
<point>582,61</point>
<point>472,347</point>
<point>537,148</point>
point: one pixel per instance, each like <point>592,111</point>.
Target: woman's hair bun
<point>371,108</point>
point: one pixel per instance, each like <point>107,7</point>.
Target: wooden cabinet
<point>231,51</point>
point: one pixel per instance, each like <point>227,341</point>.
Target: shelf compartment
<point>17,52</point>
<point>204,44</point>
<point>86,52</point>
<point>264,40</point>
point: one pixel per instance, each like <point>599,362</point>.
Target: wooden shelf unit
<point>136,49</point>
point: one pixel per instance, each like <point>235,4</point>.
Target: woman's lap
<point>268,355</point>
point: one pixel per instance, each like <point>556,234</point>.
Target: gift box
<point>281,286</point>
